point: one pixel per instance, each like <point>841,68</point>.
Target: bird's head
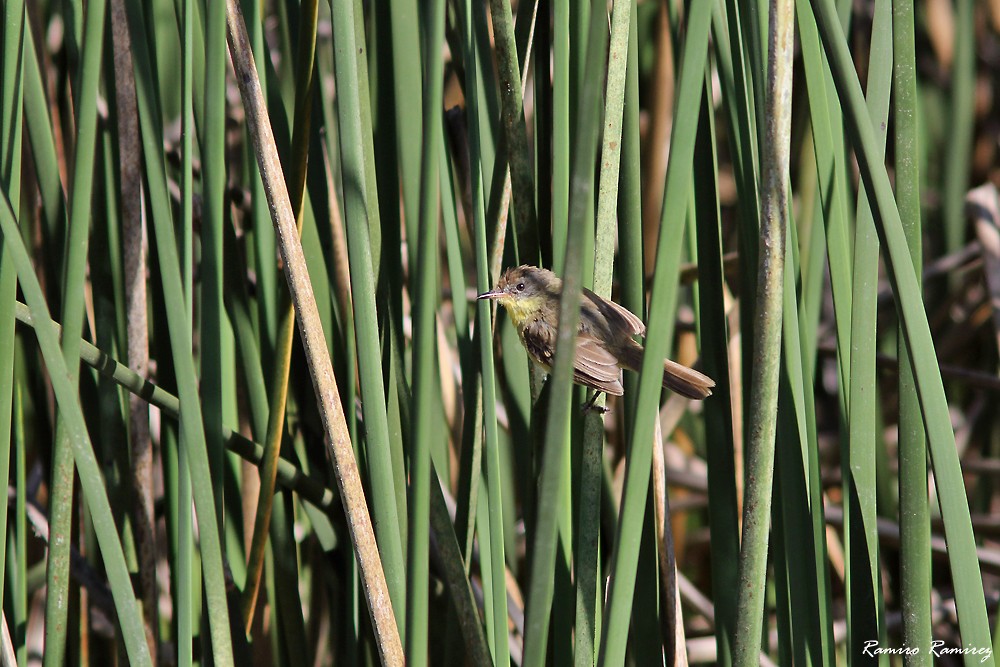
<point>525,291</point>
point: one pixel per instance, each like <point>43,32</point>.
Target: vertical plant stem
<point>914,510</point>
<point>424,336</point>
<point>722,505</point>
<point>11,127</point>
<point>183,563</point>
<point>610,158</point>
<point>515,133</point>
<point>129,616</point>
<point>632,290</point>
<point>864,590</point>
<point>964,564</point>
<point>560,129</point>
<point>42,140</point>
<point>459,585</point>
<point>674,642</point>
<point>797,542</point>
<point>269,283</point>
<point>136,306</point>
<point>739,77</point>
<point>556,452</point>
<point>657,144</point>
<point>630,192</point>
<point>404,17</point>
<point>497,602</point>
<point>385,503</point>
<point>286,328</point>
<point>624,564</point>
<point>542,120</point>
<point>19,550</point>
<point>213,325</point>
<point>57,602</point>
<point>179,334</point>
<point>587,556</point>
<point>959,137</point>
<point>767,335</point>
<point>829,148</point>
<point>314,343</point>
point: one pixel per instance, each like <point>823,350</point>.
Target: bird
<point>604,343</point>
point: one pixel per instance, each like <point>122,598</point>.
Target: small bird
<point>604,343</point>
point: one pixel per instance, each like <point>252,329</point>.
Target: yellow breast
<point>521,311</point>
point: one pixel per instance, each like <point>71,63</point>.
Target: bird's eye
<point>520,287</point>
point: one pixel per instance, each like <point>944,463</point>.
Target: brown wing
<point>615,313</point>
<point>593,366</point>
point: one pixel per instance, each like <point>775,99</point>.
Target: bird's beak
<point>494,294</point>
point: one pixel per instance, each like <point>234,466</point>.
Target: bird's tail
<point>676,377</point>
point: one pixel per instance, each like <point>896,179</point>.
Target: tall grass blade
<point>404,21</point>
<point>556,452</point>
<point>678,182</point>
<point>722,505</point>
<point>17,549</point>
<point>424,338</point>
<point>384,499</point>
<point>958,141</point>
<point>560,126</point>
<point>587,554</point>
<point>286,328</point>
<point>765,363</point>
<point>178,319</point>
<point>941,439</point>
<point>514,132</point>
<point>861,533</point>
<point>213,326</point>
<point>914,510</point>
<point>57,601</point>
<point>129,617</point>
<point>348,479</point>
<point>828,143</point>
<point>496,602</point>
<point>11,125</point>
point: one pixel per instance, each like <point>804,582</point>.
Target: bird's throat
<point>521,311</point>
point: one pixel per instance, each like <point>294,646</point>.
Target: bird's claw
<point>591,405</point>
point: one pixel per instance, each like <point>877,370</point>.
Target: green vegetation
<point>250,409</point>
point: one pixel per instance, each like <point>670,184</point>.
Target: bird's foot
<point>591,405</point>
